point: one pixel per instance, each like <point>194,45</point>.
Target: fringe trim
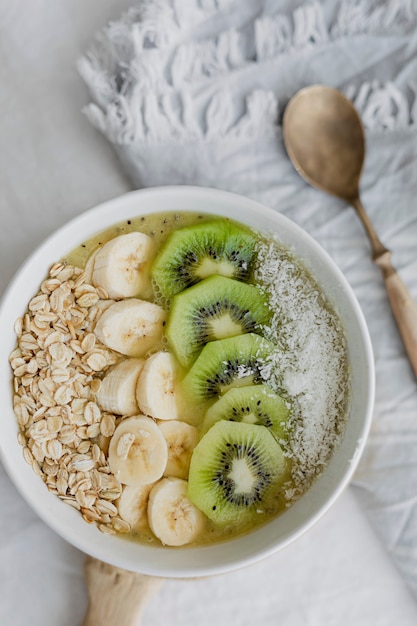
<point>375,17</point>
<point>157,120</point>
<point>193,61</point>
<point>135,49</point>
<point>278,34</point>
<point>383,106</point>
<point>139,68</point>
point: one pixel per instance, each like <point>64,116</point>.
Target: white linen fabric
<point>192,93</point>
<point>53,166</point>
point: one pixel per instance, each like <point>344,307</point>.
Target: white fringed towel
<point>192,93</point>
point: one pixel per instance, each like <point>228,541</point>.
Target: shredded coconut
<point>309,366</point>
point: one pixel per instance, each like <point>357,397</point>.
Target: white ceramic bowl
<point>265,540</point>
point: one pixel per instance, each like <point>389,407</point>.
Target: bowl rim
<point>118,207</point>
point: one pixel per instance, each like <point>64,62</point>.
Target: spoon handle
<point>117,597</point>
<point>403,306</point>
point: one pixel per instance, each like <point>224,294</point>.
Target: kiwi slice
<point>255,404</point>
<point>236,469</point>
<point>226,363</point>
<point>196,252</point>
<point>215,308</point>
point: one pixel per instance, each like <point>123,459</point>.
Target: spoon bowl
<point>325,140</point>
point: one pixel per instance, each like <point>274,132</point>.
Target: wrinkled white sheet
<point>53,166</point>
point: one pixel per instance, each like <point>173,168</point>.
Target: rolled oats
<point>124,444</point>
<point>71,329</point>
<point>21,370</point>
<point>38,452</point>
<point>27,455</point>
<point>107,425</point>
<point>93,431</point>
<point>18,327</point>
<point>97,361</point>
<point>84,446</point>
<point>111,495</point>
<point>82,462</point>
<point>54,423</point>
<point>107,530</point>
<point>88,342</point>
<point>95,452</point>
<point>62,482</point>
<point>82,432</point>
<point>22,414</point>
<point>92,413</point>
<point>32,367</point>
<point>108,481</point>
<point>90,515</point>
<point>84,499</point>
<point>102,293</point>
<point>55,337</point>
<point>104,506</point>
<point>38,303</point>
<point>72,502</point>
<point>49,468</point>
<point>55,449</point>
<point>120,525</point>
<point>36,468</point>
<point>57,366</point>
<point>63,395</point>
<point>88,299</point>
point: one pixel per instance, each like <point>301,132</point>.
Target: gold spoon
<point>324,139</point>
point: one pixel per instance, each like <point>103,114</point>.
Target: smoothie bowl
<point>187,381</point>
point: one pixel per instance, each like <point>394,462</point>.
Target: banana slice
<point>172,516</point>
<point>117,393</point>
<point>122,266</point>
<point>133,505</point>
<point>131,326</point>
<point>181,439</point>
<point>103,305</point>
<point>138,452</point>
<point>156,389</point>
